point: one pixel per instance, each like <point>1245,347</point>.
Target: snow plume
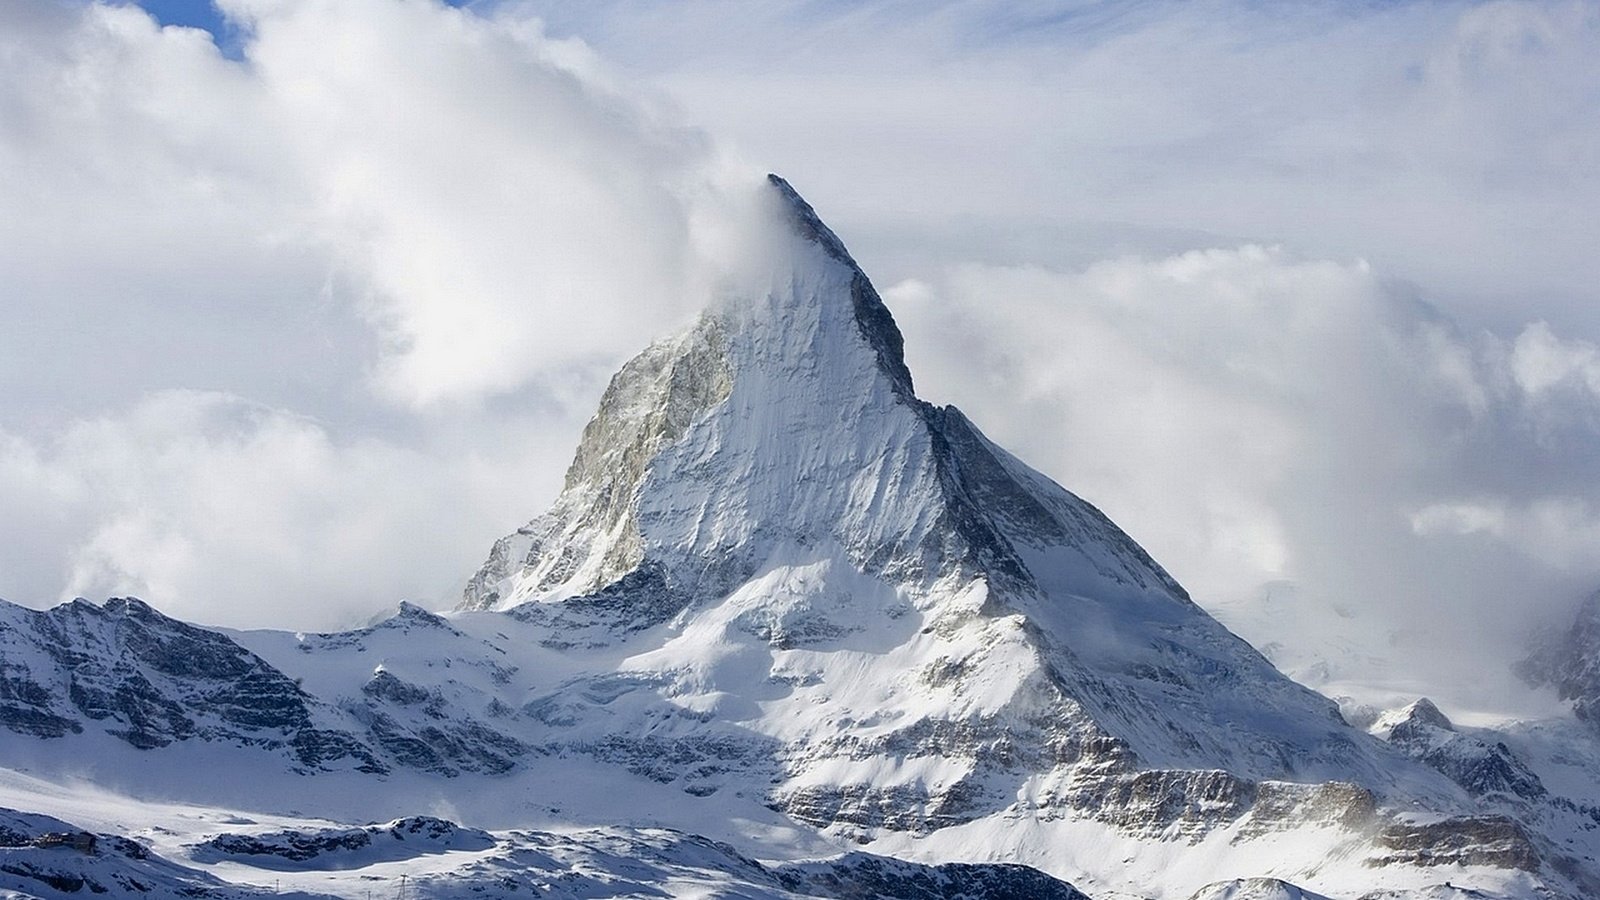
<point>1252,417</point>
<point>389,236</point>
<point>1454,145</point>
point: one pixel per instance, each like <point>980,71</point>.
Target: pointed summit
<point>873,317</point>
<point>1569,661</point>
<point>781,598</point>
<point>767,481</point>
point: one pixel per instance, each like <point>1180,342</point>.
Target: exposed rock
<point>858,876</point>
<point>1492,840</point>
<point>151,680</point>
<point>1569,661</point>
<point>1425,733</point>
<point>331,848</point>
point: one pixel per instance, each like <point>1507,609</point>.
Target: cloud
<point>222,510</point>
<point>291,336</point>
<point>1543,363</point>
<point>467,169</point>
<point>479,207</point>
<point>1251,417</point>
<point>1453,145</point>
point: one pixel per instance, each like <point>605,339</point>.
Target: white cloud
<point>1542,362</point>
<point>1251,416</point>
<point>221,510</point>
<point>287,338</point>
<point>506,215</point>
<point>1460,518</point>
<point>1455,145</point>
<point>431,234</point>
<point>481,209</point>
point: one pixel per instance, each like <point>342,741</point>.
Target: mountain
<point>788,630</point>
<point>1570,662</point>
<point>768,488</point>
<point>1426,733</point>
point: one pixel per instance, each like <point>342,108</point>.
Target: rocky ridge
<point>1569,661</point>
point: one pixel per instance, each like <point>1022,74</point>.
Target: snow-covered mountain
<point>1569,661</point>
<point>782,609</point>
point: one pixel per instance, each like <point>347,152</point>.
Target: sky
<point>303,303</point>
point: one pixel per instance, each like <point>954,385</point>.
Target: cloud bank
<point>1256,418</point>
<point>1450,144</point>
<point>1296,295</point>
<point>266,319</point>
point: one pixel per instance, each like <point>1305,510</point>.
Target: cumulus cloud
<point>292,336</point>
<point>289,336</point>
<point>480,208</point>
<point>1453,145</point>
<point>1542,362</point>
<point>1254,417</point>
<point>468,169</point>
<point>222,510</point>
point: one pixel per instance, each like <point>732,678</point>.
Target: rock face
<point>1498,841</point>
<point>150,681</point>
<point>1481,767</point>
<point>1570,662</point>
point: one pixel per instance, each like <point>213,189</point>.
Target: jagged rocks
<point>858,876</point>
<point>1498,841</point>
<point>1483,768</point>
<point>1569,661</point>
<point>151,680</point>
<point>28,707</point>
<point>339,847</point>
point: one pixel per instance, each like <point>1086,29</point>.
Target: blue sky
<point>204,14</point>
<point>193,13</point>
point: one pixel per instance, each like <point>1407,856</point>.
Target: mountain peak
<point>872,316</point>
<point>781,596</point>
<point>805,221</point>
<point>1569,661</point>
<point>768,476</point>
